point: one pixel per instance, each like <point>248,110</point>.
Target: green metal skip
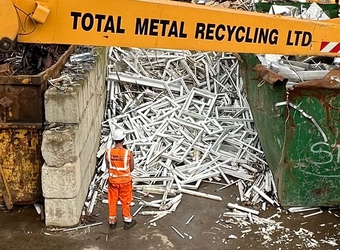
<point>299,133</point>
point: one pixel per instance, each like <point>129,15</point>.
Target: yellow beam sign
<point>175,25</point>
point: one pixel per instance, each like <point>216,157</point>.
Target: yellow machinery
<point>163,24</point>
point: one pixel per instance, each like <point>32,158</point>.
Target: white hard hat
<point>118,135</point>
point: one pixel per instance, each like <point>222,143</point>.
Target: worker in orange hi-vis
<point>120,164</point>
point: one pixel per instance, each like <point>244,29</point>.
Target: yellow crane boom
<point>166,25</point>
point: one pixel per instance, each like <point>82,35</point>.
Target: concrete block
<point>92,81</point>
<point>82,99</point>
<point>93,159</point>
<point>90,146</point>
<point>59,146</point>
<point>63,182</point>
<point>86,95</point>
<point>69,106</point>
<point>101,110</point>
<point>63,212</point>
<point>67,212</point>
<point>62,107</point>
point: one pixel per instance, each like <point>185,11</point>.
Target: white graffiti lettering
<point>323,153</point>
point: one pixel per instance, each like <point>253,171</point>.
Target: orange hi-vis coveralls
<point>120,183</point>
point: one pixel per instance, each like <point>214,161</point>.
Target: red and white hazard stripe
<point>330,47</point>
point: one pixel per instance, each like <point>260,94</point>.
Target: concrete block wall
<point>69,149</point>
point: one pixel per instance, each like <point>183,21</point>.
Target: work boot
<point>113,225</point>
<point>128,225</point>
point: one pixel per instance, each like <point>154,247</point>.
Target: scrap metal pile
<point>298,69</point>
<point>187,122</point>
<point>30,59</point>
<point>80,62</point>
